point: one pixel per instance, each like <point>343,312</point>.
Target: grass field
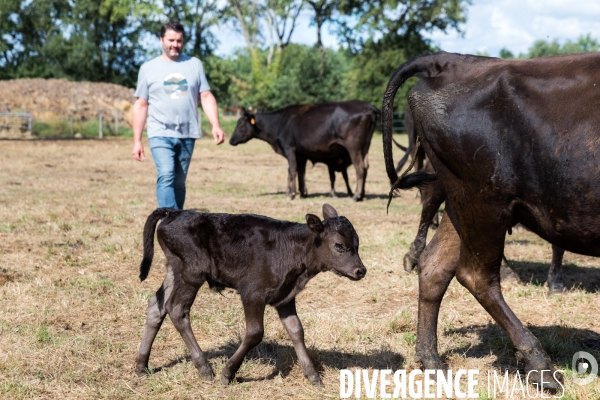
<point>72,308</point>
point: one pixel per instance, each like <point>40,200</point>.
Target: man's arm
<point>209,105</point>
<point>140,112</point>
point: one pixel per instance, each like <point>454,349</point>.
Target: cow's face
<point>244,130</point>
<point>337,244</point>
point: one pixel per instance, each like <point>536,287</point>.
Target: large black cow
<point>511,141</point>
<point>337,134</point>
<point>432,197</point>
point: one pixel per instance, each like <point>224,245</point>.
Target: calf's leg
<point>302,176</point>
<point>254,313</point>
<point>437,266</point>
<point>556,283</point>
<point>292,168</point>
<point>332,180</point>
<point>345,175</point>
<point>178,307</point>
<point>291,322</point>
<point>155,316</point>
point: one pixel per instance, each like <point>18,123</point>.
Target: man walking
<point>167,95</point>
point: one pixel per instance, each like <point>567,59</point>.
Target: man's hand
<point>138,151</point>
<point>218,135</point>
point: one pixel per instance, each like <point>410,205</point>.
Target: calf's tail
<point>428,65</point>
<point>149,229</point>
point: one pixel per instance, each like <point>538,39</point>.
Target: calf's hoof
<point>410,264</point>
<point>142,371</point>
<point>206,373</point>
<point>555,288</point>
<point>357,198</point>
<point>316,380</point>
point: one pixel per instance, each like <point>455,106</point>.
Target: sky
<point>491,25</point>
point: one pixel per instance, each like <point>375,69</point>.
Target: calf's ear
<point>314,223</point>
<point>329,211</point>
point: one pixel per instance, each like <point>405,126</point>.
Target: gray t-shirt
<point>171,88</point>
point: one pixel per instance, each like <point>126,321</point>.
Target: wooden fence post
<point>100,125</point>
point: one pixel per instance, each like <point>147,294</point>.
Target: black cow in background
<point>337,134</point>
<point>432,197</point>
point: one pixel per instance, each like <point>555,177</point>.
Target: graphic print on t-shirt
<point>176,85</point>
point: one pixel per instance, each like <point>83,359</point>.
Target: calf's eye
<point>339,247</point>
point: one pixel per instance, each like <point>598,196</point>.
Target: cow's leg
<point>556,282</point>
<point>332,180</point>
<point>178,308</point>
<point>479,271</point>
<point>292,168</point>
<point>438,264</point>
<point>254,313</point>
<point>301,162</point>
<point>432,198</point>
<point>361,175</point>
<point>289,319</point>
<point>155,316</point>
<point>345,175</point>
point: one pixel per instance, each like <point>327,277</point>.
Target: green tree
<point>28,30</point>
<point>542,48</point>
<point>197,17</point>
<point>401,24</point>
<point>382,34</point>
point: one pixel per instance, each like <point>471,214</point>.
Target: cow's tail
<point>422,66</point>
<point>149,229</point>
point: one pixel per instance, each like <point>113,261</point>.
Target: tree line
<point>108,40</point>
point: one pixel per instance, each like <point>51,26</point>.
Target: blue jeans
<point>172,158</point>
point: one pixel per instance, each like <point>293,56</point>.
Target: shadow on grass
<point>583,278</point>
<point>283,358</point>
<point>559,342</point>
<point>340,195</point>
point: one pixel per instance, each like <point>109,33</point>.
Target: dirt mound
<point>56,98</point>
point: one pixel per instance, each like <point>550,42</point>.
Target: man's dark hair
<point>173,25</point>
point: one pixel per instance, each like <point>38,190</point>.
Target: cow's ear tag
<point>252,121</point>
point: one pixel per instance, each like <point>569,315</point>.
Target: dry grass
<point>72,308</point>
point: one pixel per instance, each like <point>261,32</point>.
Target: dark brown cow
<point>432,197</point>
<point>337,134</point>
<point>267,261</point>
<point>512,141</point>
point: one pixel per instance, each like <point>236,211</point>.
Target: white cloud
<point>491,25</point>
<point>516,24</point>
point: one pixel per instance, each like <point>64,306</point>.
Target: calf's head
<point>245,129</point>
<point>336,244</point>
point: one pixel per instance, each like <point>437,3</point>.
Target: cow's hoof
<point>547,381</point>
<point>357,198</point>
<point>410,264</point>
<point>206,373</point>
<point>289,197</point>
<point>430,361</point>
<point>226,378</point>
<point>333,195</point>
<point>142,371</point>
